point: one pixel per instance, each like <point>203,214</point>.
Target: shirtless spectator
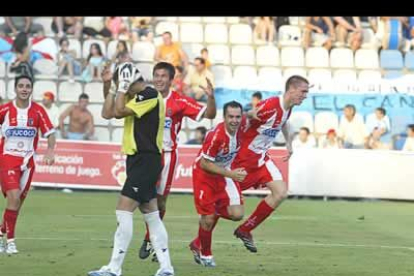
<point>80,121</point>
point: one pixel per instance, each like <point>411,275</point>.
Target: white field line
<point>294,244</point>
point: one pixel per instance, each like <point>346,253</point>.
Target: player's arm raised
<point>237,174</point>
<point>211,109</point>
<point>109,92</point>
<point>121,110</point>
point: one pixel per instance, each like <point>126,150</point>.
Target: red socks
<point>162,213</point>
<point>205,241</point>
<point>262,211</point>
<point>9,223</point>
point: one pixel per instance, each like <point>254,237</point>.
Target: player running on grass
<point>20,120</point>
<point>216,194</point>
<point>264,123</point>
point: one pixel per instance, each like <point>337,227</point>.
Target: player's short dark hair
<point>257,95</point>
<point>83,96</point>
<point>382,110</point>
<point>168,33</point>
<point>202,129</point>
<point>166,66</point>
<point>233,104</point>
<point>305,129</point>
<point>204,50</point>
<point>295,80</point>
<point>201,60</point>
<point>411,126</point>
<point>19,77</point>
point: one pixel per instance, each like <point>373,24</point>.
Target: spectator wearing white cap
<point>48,102</point>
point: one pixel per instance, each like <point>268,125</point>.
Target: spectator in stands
<point>92,28</point>
<point>51,109</point>
<point>280,21</point>
<point>204,54</point>
<point>352,130</point>
<point>121,49</point>
<point>197,79</point>
<point>24,57</point>
<point>303,139</point>
<point>94,64</point>
<point>200,134</point>
<point>409,142</point>
<point>256,98</point>
<point>390,33</point>
<point>14,25</point>
<point>80,120</point>
<point>374,141</point>
<point>247,20</point>
<point>117,27</point>
<point>171,52</point>
<point>380,125</point>
<point>67,60</point>
<point>67,25</point>
<point>331,141</point>
<point>178,82</point>
<point>141,27</point>
<point>349,31</point>
<point>319,30</point>
<point>410,30</point>
<point>265,29</point>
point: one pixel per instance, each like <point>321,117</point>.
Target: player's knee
<point>280,195</point>
<point>207,222</point>
<point>13,200</point>
<point>162,202</point>
<point>236,215</point>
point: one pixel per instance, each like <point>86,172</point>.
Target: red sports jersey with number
<point>20,134</point>
<point>210,190</point>
<point>258,135</point>
<point>220,147</point>
<point>176,108</point>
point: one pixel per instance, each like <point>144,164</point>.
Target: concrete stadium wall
<point>352,173</point>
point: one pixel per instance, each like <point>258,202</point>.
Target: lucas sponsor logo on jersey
<point>271,132</point>
<point>168,123</point>
<point>225,158</point>
<point>21,132</point>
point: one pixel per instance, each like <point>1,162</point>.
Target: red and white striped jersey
<point>176,108</point>
<point>20,133</point>
<point>258,135</point>
<point>219,146</point>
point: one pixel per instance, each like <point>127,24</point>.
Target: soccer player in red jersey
<point>216,192</point>
<point>20,120</point>
<point>264,123</point>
